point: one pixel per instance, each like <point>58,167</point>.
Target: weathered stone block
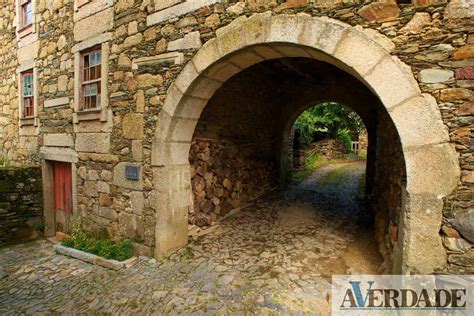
<point>207,55</point>
<point>173,58</point>
<point>459,10</point>
<point>463,260</point>
<point>455,94</point>
<point>132,126</point>
<point>96,24</point>
<point>425,3</point>
<point>290,4</point>
<point>285,28</point>
<point>137,150</point>
<point>58,140</point>
<point>163,4</point>
<point>137,202</point>
<point>103,187</point>
<point>358,52</point>
<point>178,10</point>
<point>172,178</point>
<point>222,71</point>
<point>464,52</point>
<point>105,200</point>
<point>424,252</point>
<point>189,41</point>
<point>149,80</point>
<point>107,212</point>
<point>171,231</point>
<point>93,142</point>
<point>62,83</point>
<point>435,75</point>
<point>192,107</point>
<point>466,73</point>
<point>90,188</point>
<point>414,132</point>
<point>229,38</point>
<point>245,59</point>
<point>380,11</point>
<point>417,23</point>
<point>204,88</point>
<point>432,170</point>
<point>464,223</point>
<point>133,40</point>
<point>130,225</point>
<point>56,102</point>
<point>183,129</point>
<point>381,79</point>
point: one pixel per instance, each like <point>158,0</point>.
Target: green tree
<point>332,118</point>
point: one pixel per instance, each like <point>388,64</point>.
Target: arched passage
<point>431,168</point>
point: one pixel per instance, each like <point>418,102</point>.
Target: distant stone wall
<point>21,204</point>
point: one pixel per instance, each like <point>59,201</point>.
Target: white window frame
<point>85,83</point>
<point>99,113</point>
<point>31,120</point>
<point>24,96</point>
<point>21,29</point>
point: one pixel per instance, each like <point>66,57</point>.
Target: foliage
<point>98,246</point>
<point>331,118</point>
<point>346,138</point>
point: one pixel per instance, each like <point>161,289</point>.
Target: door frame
<point>47,167</point>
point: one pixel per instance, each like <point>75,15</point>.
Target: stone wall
<point>9,118</point>
<point>385,197</point>
<point>21,205</point>
<point>148,43</point>
<point>224,179</point>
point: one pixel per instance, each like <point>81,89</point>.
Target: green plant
<point>101,247</point>
<point>346,138</point>
<point>331,118</point>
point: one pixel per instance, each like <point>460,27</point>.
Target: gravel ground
<point>276,257</point>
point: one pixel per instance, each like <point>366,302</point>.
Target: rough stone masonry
<point>145,112</point>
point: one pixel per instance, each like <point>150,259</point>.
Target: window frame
<point>31,107</point>
<point>22,5</point>
<point>97,81</point>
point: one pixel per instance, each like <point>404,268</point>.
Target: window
<point>28,99</point>
<point>26,9</point>
<point>91,79</point>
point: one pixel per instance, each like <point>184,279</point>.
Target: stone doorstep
<point>93,259</point>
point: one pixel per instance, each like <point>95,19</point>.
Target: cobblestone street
<point>275,257</point>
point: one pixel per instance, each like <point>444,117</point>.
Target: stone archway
<point>431,162</point>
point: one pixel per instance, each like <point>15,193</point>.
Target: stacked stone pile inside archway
<point>223,180</point>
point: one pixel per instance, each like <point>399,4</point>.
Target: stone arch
<point>432,167</point>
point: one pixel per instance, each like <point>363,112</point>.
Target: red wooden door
<point>62,195</point>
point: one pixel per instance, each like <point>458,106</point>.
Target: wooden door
<point>62,195</point>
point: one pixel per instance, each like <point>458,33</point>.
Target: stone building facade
<point>112,91</point>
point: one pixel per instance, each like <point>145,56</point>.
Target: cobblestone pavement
<point>276,257</point>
